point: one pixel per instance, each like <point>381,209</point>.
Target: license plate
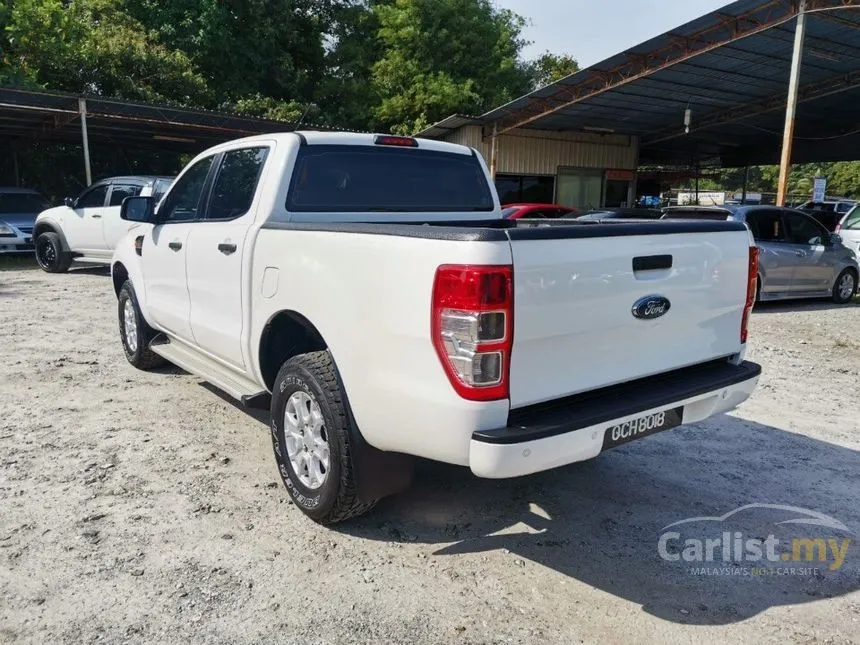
<point>640,427</point>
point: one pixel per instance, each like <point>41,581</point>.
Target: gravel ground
<point>146,508</point>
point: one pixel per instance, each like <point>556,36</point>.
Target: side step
<point>182,355</point>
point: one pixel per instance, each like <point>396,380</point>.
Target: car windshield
<point>339,178</point>
<point>22,203</point>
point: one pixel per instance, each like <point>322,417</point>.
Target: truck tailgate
<point>575,288</point>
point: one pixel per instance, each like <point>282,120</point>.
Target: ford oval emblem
<point>651,307</point>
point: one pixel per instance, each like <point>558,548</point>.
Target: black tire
<point>140,356</point>
<point>336,499</point>
<point>837,294</point>
<point>50,254</point>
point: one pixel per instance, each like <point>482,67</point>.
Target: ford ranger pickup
<point>367,290</point>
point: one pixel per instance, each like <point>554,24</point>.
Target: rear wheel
<point>50,254</point>
<point>311,439</point>
<point>844,287</point>
<point>134,332</point>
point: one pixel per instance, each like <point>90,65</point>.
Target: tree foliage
<point>843,179</point>
<point>364,64</point>
<point>548,68</point>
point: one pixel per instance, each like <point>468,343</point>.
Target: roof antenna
<point>304,114</point>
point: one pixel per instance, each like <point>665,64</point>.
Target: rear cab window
<point>349,178</point>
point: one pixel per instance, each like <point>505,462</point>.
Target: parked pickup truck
<point>367,290</point>
<point>87,228</point>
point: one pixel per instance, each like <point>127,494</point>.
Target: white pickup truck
<point>367,290</point>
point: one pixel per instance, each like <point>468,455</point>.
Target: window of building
<point>528,189</point>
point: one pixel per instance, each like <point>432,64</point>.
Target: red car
<point>537,211</point>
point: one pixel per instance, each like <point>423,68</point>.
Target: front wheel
<point>134,332</point>
<point>844,287</point>
<point>311,439</point>
<point>50,254</point>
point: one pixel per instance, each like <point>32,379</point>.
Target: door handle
<point>800,254</point>
<point>96,216</point>
<point>226,248</point>
<point>175,245</point>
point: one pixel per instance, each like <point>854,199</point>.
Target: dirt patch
<point>142,507</point>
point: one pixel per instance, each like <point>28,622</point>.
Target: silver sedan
<point>798,257</point>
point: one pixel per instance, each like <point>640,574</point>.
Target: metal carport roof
<point>731,69</point>
<point>55,117</point>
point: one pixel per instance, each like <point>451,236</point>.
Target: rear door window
<point>766,225</point>
<point>119,192</point>
<point>337,179</point>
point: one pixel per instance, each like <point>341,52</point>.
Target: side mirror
<point>68,201</point>
<point>137,209</point>
<point>835,239</point>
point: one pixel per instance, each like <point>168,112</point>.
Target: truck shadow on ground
<point>599,522</point>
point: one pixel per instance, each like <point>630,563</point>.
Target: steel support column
<point>494,148</point>
<point>791,104</point>
<point>746,181</point>
<point>82,110</point>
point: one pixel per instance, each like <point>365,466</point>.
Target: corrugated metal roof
<point>53,115</point>
<point>448,124</point>
<point>731,68</point>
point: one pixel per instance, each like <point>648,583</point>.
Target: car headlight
<point>5,229</point>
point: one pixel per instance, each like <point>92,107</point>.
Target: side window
<point>766,225</point>
<point>235,183</point>
<point>843,207</point>
<point>852,221</point>
<point>120,191</point>
<point>93,198</point>
<point>803,230</point>
<point>183,201</point>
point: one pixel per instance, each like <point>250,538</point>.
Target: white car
<point>849,230</point>
<point>368,291</point>
<point>88,228</point>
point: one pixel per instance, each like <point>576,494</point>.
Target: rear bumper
<point>560,432</point>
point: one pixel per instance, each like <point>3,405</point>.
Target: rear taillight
<point>752,280</point>
<point>472,328</point>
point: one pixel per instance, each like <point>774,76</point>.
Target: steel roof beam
<point>817,90</point>
<point>680,48</point>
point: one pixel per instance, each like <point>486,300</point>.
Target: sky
<point>593,30</point>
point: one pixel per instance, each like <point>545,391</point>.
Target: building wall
<point>541,152</point>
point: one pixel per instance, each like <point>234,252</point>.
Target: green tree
<point>92,46</point>
<point>548,68</point>
<point>445,56</point>
<point>254,54</point>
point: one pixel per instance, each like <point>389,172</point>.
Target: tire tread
<point>347,504</point>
